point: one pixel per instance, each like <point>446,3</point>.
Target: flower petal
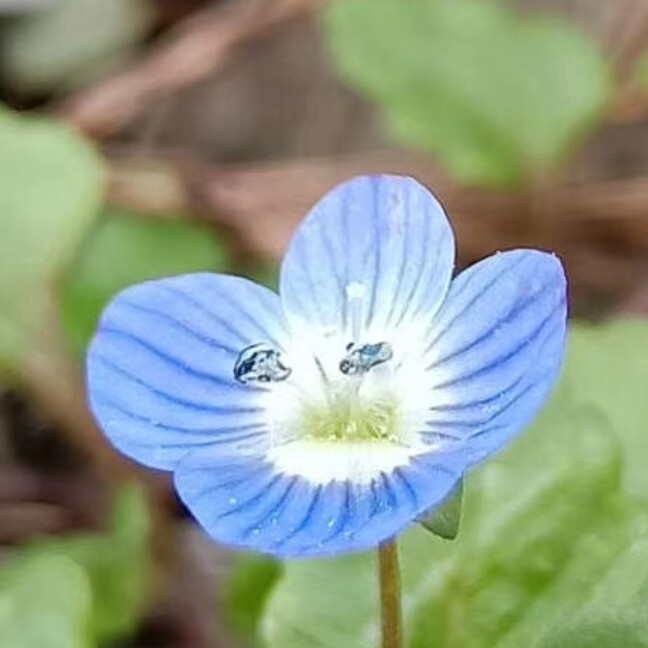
<point>384,239</point>
<point>160,368</point>
<point>495,350</point>
<point>248,503</point>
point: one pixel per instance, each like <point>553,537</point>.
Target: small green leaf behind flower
<point>445,520</point>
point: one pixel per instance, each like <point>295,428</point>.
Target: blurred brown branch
<point>196,48</point>
<point>627,36</point>
<point>600,228</point>
<point>632,106</point>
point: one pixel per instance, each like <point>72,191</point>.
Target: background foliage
<point>498,97</point>
<point>529,124</point>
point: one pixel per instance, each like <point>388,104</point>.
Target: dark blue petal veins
<point>387,233</point>
<point>160,368</point>
<point>287,515</point>
<point>496,348</point>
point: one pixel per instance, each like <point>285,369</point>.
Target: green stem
<point>390,595</point>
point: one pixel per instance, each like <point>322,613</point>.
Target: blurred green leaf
<point>640,72</point>
<point>44,603</point>
<point>61,47</point>
<point>246,593</point>
<point>549,539</point>
<point>116,563</point>
<point>497,96</point>
<point>609,627</point>
<point>125,249</point>
<point>608,367</point>
<point>51,185</point>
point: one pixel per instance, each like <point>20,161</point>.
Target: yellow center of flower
<point>347,418</point>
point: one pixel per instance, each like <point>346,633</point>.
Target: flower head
<point>328,417</point>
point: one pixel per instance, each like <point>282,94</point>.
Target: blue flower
<point>328,417</point>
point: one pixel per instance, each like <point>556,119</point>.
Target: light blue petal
<point>388,233</point>
<point>495,349</point>
<point>244,502</point>
<point>160,368</point>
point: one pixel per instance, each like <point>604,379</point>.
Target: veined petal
<point>160,367</point>
<point>247,502</point>
<point>376,250</point>
<point>495,350</point>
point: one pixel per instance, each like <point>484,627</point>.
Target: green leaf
<point>608,367</point>
<point>125,249</point>
<point>246,593</point>
<point>553,550</point>
<point>14,7</point>
<point>40,55</point>
<point>116,563</point>
<point>497,96</point>
<point>445,520</point>
<point>44,602</point>
<point>51,185</point>
<point>611,627</point>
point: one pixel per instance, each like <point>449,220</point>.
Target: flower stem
<point>390,595</point>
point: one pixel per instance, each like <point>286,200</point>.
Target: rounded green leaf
<point>497,96</point>
<point>40,55</point>
<point>51,185</point>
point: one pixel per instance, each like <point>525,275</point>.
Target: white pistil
<point>355,294</point>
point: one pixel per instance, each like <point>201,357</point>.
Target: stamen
<point>348,419</point>
<point>359,359</point>
<point>260,363</point>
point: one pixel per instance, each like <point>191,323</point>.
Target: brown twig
<point>29,519</point>
<point>628,37</point>
<point>196,48</point>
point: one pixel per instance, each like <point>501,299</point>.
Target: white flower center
<point>340,408</point>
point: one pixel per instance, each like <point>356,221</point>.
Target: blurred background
<point>145,138</point>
